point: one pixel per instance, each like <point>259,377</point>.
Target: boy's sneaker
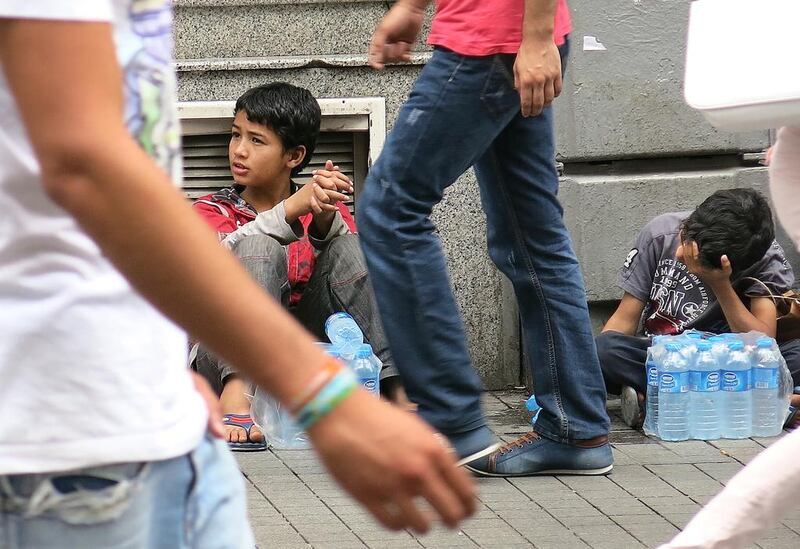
<point>474,444</point>
<point>532,454</point>
<point>632,408</point>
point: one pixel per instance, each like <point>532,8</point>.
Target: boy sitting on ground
<point>694,270</point>
<point>298,242</point>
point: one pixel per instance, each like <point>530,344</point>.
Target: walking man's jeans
<point>464,111</point>
<point>195,500</point>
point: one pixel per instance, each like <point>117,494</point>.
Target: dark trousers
<point>339,283</point>
<point>622,359</point>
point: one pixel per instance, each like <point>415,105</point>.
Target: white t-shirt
<point>90,373</point>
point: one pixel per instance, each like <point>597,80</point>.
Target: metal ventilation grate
<point>206,169</point>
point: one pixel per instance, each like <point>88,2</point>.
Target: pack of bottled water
<point>347,344</point>
<point>710,386</point>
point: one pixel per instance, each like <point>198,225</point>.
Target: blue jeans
<point>196,500</point>
<point>462,112</point>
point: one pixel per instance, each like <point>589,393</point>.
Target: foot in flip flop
<point>243,435</point>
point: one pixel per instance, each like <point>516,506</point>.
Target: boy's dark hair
<point>289,111</point>
<point>733,222</point>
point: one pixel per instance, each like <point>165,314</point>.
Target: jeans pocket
<point>91,496</point>
<point>68,484</point>
<point>498,94</point>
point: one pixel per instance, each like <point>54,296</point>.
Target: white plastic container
<point>742,63</point>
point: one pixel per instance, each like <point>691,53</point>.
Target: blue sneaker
<point>474,444</point>
<point>532,454</point>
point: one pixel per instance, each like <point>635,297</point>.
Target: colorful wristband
<point>330,396</point>
<point>329,369</point>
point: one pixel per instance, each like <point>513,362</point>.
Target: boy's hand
<point>386,458</point>
<point>332,183</point>
<point>395,34</point>
<point>318,198</point>
<point>710,275</point>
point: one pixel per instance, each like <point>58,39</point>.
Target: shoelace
<point>527,438</point>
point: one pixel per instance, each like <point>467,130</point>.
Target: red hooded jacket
<point>225,211</point>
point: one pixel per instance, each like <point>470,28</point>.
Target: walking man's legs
<point>441,130</point>
<point>528,241</point>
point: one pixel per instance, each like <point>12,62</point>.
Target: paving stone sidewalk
<point>654,490</point>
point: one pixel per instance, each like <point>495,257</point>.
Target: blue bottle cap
<point>716,339</point>
<point>736,345</point>
<point>703,345</point>
<point>694,335</point>
<point>673,346</point>
<point>764,342</point>
<point>531,404</point>
<point>730,336</point>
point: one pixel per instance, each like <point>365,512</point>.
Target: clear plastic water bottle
<point>737,394</point>
<point>654,355</point>
<point>767,405</point>
<point>344,333</point>
<point>533,407</point>
<point>719,348</point>
<point>366,369</point>
<point>673,394</point>
<point>705,402</point>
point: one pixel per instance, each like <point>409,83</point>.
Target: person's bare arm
<point>761,316</point>
<point>625,319</point>
<point>537,69</point>
<point>67,85</point>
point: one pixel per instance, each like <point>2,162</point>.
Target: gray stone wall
<point>618,104</point>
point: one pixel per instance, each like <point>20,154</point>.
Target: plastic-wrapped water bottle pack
<point>706,386</point>
<point>347,344</point>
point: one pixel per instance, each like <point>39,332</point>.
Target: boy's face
<point>256,154</point>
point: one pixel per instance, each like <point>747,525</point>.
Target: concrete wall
<point>620,103</point>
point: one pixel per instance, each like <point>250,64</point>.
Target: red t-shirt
<point>486,27</point>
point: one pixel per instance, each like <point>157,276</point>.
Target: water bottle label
<point>765,378</point>
<point>738,380</point>
<point>652,375</point>
<point>370,384</point>
<point>674,382</point>
<point>704,382</point>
